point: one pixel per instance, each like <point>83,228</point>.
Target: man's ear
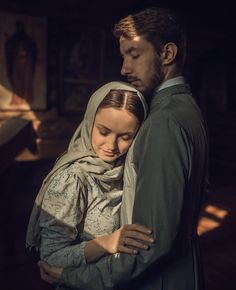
<point>169,53</point>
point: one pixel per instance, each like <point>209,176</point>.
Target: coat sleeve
<point>62,211</point>
<point>162,151</point>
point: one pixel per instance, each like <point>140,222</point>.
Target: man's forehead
<point>129,44</point>
<point>137,43</point>
<point>135,38</point>
<point>130,41</point>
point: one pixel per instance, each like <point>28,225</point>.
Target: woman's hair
<point>124,99</point>
<point>158,26</point>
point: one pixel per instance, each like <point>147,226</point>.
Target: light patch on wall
<point>211,219</point>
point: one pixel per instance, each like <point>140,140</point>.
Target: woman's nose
<point>112,144</point>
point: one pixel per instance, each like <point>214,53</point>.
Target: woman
<point>75,218</point>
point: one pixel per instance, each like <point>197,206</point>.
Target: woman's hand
<point>127,239</point>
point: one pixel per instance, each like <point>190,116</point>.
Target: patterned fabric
<point>80,197</point>
<point>66,210</point>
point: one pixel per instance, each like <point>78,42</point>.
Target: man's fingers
<point>50,274</point>
<point>44,266</point>
<point>45,277</point>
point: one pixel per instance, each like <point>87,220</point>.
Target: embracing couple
<point>120,208</point>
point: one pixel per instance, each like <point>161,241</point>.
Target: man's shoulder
<point>174,103</point>
<point>180,111</point>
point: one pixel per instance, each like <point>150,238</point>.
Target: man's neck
<point>172,71</point>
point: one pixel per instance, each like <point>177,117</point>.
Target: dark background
<point>211,71</point>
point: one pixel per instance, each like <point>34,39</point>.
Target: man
<point>169,162</point>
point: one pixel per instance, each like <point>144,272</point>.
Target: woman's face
<point>113,132</point>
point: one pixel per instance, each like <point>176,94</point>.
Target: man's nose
<point>126,68</point>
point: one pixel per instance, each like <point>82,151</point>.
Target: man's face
<point>141,64</point>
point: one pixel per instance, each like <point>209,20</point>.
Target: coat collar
<point>165,93</point>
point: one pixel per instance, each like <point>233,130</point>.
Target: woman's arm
<point>62,211</point>
<point>127,239</point>
<point>59,249</point>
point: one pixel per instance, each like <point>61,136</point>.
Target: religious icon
<point>81,70</point>
<point>23,62</point>
<point>21,53</point>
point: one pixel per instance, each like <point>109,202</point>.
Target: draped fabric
<point>108,175</point>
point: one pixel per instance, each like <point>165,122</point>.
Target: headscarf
<point>80,150</point>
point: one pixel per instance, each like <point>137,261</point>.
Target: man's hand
<point>50,274</point>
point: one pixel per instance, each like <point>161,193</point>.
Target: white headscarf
<point>80,150</point>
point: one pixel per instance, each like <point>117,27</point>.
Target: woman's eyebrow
<point>103,127</point>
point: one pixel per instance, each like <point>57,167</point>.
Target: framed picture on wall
<point>23,62</point>
<point>81,69</point>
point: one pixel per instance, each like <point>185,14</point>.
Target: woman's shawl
<point>80,150</point>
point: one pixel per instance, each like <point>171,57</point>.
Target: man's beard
<point>156,80</point>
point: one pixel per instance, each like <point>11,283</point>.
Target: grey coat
<point>170,163</point>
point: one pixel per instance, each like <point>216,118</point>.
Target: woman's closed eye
<point>103,131</point>
<point>127,137</point>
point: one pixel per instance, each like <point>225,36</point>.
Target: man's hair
<point>158,26</point>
